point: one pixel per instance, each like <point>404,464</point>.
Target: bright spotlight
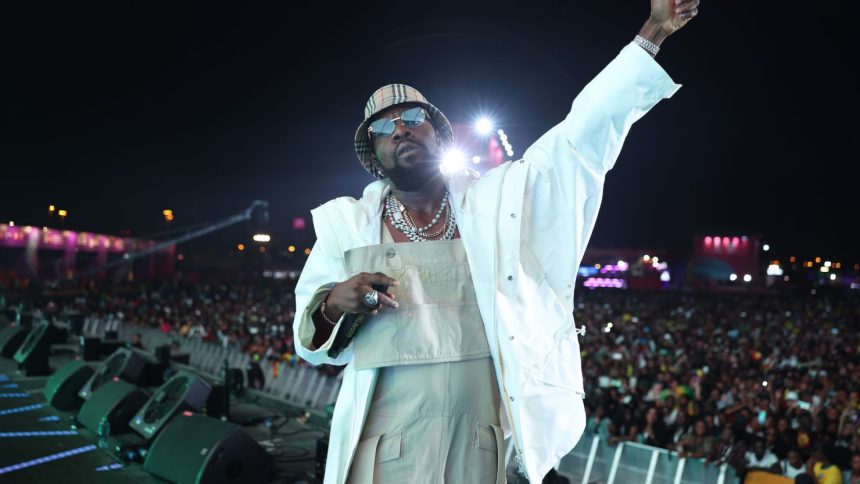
<point>476,159</point>
<point>262,238</point>
<point>733,277</point>
<point>484,126</point>
<point>747,278</point>
<point>452,162</point>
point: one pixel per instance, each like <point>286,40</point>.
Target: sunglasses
<point>411,118</point>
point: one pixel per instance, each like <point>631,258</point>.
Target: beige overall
<point>434,416</point>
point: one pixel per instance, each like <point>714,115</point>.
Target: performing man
<point>474,340</point>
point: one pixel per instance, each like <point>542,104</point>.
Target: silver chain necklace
<point>395,212</point>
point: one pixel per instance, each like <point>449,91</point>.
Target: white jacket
<point>525,225</point>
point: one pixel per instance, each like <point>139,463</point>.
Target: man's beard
<point>414,178</point>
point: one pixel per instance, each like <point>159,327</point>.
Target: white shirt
<point>525,225</point>
<point>767,460</point>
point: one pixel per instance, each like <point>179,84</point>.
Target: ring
<point>371,299</point>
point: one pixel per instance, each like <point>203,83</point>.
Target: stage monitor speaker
<point>184,391</point>
<point>90,348</point>
<point>198,449</point>
<point>32,355</point>
<point>62,388</point>
<point>123,363</point>
<point>111,407</point>
<point>11,339</point>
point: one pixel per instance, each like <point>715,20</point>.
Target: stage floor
<point>73,455</point>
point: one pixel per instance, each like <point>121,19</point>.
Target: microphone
<point>350,326</point>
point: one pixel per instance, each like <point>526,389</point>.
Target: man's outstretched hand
<point>671,15</point>
<point>667,17</point>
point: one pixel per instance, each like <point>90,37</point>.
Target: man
<point>474,340</point>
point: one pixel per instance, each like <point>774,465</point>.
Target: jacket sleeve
<point>321,268</point>
<point>568,164</point>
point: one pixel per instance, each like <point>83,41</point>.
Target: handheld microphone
<point>350,326</point>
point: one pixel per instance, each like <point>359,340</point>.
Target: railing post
<point>652,467</point>
<point>679,471</point>
<point>592,454</point>
<point>615,460</point>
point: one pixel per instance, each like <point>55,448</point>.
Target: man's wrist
<point>325,310</point>
<point>652,32</point>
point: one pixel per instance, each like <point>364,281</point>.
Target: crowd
<point>759,381</point>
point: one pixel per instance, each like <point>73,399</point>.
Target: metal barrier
<point>304,386</point>
<point>595,461</point>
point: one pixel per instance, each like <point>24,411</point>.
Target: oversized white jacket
<point>525,225</point>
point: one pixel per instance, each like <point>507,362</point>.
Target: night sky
<point>116,112</point>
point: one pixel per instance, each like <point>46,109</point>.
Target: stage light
<point>747,278</point>
<point>646,257</point>
<point>240,247</point>
<point>818,260</point>
<point>51,208</point>
<point>792,259</point>
<point>766,247</point>
<point>452,161</point>
<point>665,277</point>
<point>827,263</point>
<point>11,223</point>
<point>733,277</point>
<point>484,126</point>
<point>263,238</point>
<point>308,251</point>
<point>291,249</point>
<point>476,159</point>
<point>764,383</point>
<point>825,269</point>
<point>832,277</point>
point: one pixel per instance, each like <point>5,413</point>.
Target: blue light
<point>50,418</point>
<point>25,408</point>
<point>47,458</point>
<point>40,433</point>
<point>9,385</point>
<point>4,378</point>
<point>110,467</point>
<point>14,395</point>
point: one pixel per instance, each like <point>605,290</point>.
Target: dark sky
<point>116,112</point>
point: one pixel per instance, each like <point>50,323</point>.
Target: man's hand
<point>348,296</point>
<point>671,15</point>
<point>667,17</point>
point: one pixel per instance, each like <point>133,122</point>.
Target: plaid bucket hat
<point>392,95</point>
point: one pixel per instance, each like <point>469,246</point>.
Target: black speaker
<point>11,339</point>
<point>62,388</point>
<point>322,456</point>
<point>202,450</point>
<point>184,391</point>
<point>123,363</point>
<point>32,355</point>
<point>111,407</point>
<point>90,348</point>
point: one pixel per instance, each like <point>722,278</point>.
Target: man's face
<point>409,157</point>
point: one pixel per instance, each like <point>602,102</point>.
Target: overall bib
<point>434,416</point>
